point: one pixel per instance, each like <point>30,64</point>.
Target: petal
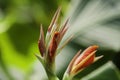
<point>41,42</point>
<point>52,27</point>
<point>63,30</point>
<point>97,58</point>
<point>64,26</point>
<point>85,53</point>
<point>72,61</point>
<point>64,44</point>
<point>53,45</point>
<point>84,63</point>
<point>54,19</point>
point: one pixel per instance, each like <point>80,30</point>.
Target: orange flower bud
<point>79,62</point>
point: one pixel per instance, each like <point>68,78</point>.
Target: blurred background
<point>91,22</point>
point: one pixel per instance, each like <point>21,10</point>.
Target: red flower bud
<point>79,62</point>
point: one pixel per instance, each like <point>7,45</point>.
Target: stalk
<point>67,77</point>
<point>50,71</point>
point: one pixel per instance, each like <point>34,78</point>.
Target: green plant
<point>91,22</point>
<point>49,48</point>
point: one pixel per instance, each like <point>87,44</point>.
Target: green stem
<point>51,75</point>
<point>49,67</point>
<point>50,70</point>
<point>67,77</point>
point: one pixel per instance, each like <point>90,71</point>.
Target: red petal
<point>54,19</point>
<point>41,43</point>
<point>84,54</point>
<point>53,45</point>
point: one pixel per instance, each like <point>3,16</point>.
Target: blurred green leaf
<point>92,22</point>
<point>69,51</point>
<point>13,58</point>
<point>105,72</point>
<point>95,23</point>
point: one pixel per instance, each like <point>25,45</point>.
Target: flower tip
<point>59,9</point>
<point>56,32</point>
<point>95,46</point>
<point>56,35</point>
<point>99,57</point>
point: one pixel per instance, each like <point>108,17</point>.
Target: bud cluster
<point>49,47</point>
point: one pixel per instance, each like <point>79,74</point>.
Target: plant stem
<point>67,77</point>
<point>50,70</point>
<point>51,75</point>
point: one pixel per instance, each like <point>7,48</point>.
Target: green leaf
<point>13,58</point>
<point>106,72</point>
<point>95,22</point>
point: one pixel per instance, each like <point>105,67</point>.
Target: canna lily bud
<point>81,61</point>
<point>50,46</point>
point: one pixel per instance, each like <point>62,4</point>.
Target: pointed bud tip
<point>56,32</point>
<point>95,46</point>
<point>54,19</point>
<point>99,57</point>
<point>40,26</point>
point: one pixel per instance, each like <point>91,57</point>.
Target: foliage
<point>92,22</point>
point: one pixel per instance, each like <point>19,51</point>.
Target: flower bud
<point>81,61</point>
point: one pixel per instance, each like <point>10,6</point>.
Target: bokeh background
<point>91,22</point>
